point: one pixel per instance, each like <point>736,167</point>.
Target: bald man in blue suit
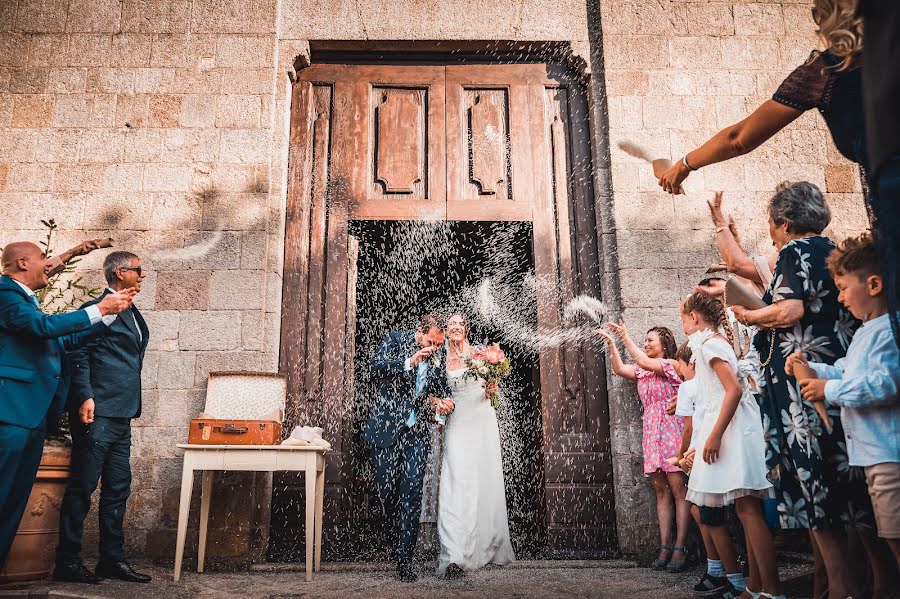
<point>34,379</point>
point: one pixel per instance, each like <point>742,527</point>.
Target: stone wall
<point>676,72</point>
<point>163,124</point>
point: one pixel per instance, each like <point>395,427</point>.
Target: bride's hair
<point>466,345</point>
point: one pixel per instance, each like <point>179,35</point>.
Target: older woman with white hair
<point>815,487</point>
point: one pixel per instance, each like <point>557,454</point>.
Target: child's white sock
<point>737,581</point>
<point>714,567</point>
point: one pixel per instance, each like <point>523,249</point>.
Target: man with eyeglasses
<point>34,371</point>
<point>105,396</point>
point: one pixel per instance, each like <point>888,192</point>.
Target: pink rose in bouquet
<point>490,365</point>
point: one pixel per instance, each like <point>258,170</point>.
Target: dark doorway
<point>408,268</point>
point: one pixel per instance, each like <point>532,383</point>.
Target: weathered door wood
<point>482,142</point>
<point>489,174</point>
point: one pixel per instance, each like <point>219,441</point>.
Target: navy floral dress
<point>814,483</point>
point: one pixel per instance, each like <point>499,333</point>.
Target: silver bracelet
<point>685,163</point>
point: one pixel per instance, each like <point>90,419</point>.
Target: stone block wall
<point>164,124</point>
<point>676,72</point>
<point>153,122</point>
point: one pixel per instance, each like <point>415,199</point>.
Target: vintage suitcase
<point>216,431</point>
<point>242,408</point>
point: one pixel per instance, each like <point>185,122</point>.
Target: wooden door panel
<point>489,174</point>
<point>398,115</point>
<point>457,142</point>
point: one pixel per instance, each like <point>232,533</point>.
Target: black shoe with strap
<point>74,573</point>
<point>120,571</point>
<point>660,562</point>
<point>710,585</point>
<point>676,566</point>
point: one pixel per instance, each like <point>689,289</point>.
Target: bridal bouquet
<point>490,365</point>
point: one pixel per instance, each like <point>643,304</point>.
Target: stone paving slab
<point>521,580</point>
<point>615,578</point>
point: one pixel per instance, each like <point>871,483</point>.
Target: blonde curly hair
<point>840,29</point>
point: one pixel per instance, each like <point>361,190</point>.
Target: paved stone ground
<point>614,578</point>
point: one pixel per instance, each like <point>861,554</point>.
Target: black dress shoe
<point>405,573</point>
<point>74,573</point>
<point>120,571</point>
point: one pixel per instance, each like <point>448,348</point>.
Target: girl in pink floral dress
<point>657,385</point>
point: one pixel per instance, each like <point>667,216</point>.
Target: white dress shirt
<point>137,327</point>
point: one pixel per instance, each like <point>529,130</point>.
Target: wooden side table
<point>255,458</point>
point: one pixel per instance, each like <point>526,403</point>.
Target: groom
<point>411,375</point>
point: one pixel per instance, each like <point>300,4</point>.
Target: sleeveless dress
<point>740,469</point>
<point>472,519</point>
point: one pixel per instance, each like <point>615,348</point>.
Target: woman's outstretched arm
<point>735,140</point>
<point>615,358</point>
<point>640,358</point>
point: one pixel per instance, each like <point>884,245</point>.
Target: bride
<point>472,521</point>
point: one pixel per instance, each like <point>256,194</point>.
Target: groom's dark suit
<point>397,430</point>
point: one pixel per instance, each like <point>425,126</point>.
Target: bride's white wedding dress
<point>472,521</point>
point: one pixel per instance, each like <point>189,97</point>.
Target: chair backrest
<point>246,395</point>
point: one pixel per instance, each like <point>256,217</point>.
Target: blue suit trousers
<point>20,456</point>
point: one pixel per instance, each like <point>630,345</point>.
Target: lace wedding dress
<point>472,520</point>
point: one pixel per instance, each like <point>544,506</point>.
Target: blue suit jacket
<point>396,389</point>
<point>34,373</point>
<point>108,368</point>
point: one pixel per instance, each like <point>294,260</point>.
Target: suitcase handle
<point>233,430</point>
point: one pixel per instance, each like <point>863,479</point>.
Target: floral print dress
<point>662,433</point>
<point>815,485</point>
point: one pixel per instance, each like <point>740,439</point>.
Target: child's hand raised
<point>813,389</point>
<point>795,358</point>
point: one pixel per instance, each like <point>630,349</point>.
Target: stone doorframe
<point>624,409</point>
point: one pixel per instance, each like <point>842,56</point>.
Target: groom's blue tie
<point>421,379</point>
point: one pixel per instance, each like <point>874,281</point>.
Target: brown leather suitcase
<point>215,431</point>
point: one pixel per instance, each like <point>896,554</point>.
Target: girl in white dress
<point>472,520</point>
<point>732,465</point>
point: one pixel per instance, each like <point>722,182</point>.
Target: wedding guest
<point>722,566</point>
<point>732,469</point>
<point>34,373</point>
<point>657,384</point>
<point>105,396</point>
<point>753,268</point>
<point>803,454</point>
<point>881,95</point>
<point>865,382</point>
<point>829,81</point>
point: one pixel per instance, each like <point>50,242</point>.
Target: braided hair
<point>667,340</point>
<point>710,309</point>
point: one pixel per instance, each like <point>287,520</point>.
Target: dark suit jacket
<point>34,373</point>
<point>109,368</point>
<point>396,389</point>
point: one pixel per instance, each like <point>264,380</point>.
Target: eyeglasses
<point>136,269</point>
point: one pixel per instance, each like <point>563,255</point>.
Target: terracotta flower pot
<point>33,551</point>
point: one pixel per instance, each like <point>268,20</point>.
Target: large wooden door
<point>457,142</point>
